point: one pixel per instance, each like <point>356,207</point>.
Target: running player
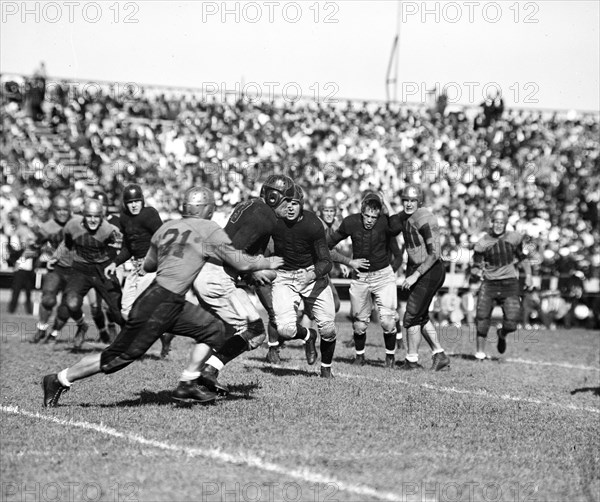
<point>178,251</point>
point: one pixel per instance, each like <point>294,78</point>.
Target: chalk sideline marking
<point>246,459</point>
<point>449,390</point>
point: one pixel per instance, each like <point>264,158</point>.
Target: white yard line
<point>241,458</point>
<point>441,388</point>
<point>558,365</point>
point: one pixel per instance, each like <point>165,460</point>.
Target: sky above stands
<point>539,54</point>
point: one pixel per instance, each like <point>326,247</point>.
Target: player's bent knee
<point>288,331</point>
<point>359,327</point>
<point>328,332</point>
<point>255,334</point>
<point>48,301</point>
<point>256,342</point>
<point>388,324</point>
<point>74,303</point>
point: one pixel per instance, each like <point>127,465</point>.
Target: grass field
<point>524,427</point>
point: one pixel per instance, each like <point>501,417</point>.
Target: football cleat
<point>501,341</point>
<point>409,365</point>
<point>39,335</point>
<point>208,378</point>
<point>326,372</point>
<point>52,390</point>
<point>310,348</point>
<point>191,392</point>
<point>440,361</point>
<point>273,355</point>
<point>359,360</point>
<point>51,338</point>
<point>390,360</point>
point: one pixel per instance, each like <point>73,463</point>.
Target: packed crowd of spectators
<point>543,166</point>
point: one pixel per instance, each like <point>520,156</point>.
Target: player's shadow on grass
<point>283,371</point>
<point>100,348</point>
<point>162,397</point>
<point>593,390</point>
<point>375,363</point>
<point>242,392</point>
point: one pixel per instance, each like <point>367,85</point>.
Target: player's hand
<point>305,277</point>
<point>262,277</point>
<point>410,281</point>
<point>110,270</point>
<point>477,272</point>
<point>345,270</point>
<point>359,264</point>
<point>275,262</point>
<point>528,283</point>
<point>50,263</point>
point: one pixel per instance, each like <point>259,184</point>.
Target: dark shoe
<point>326,372</point>
<point>408,365</point>
<point>52,390</point>
<point>80,335</point>
<point>191,392</point>
<point>440,361</point>
<point>39,335</point>
<point>273,355</point>
<point>51,338</point>
<point>103,336</point>
<point>359,360</point>
<point>310,348</point>
<point>208,378</point>
<point>501,341</point>
<point>390,360</point>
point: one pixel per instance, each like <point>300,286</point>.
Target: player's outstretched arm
<point>245,262</point>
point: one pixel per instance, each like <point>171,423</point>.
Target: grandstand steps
<point>65,155</point>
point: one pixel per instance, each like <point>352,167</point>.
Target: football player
<point>93,241</point>
<point>178,251</point>
<point>300,239</point>
<point>137,222</point>
<point>249,227</point>
<point>371,237</point>
<point>495,258</point>
<point>50,234</point>
<point>425,275</point>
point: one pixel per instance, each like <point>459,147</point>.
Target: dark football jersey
<point>302,243</point>
<point>250,226</point>
<point>137,232</point>
<point>372,244</point>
